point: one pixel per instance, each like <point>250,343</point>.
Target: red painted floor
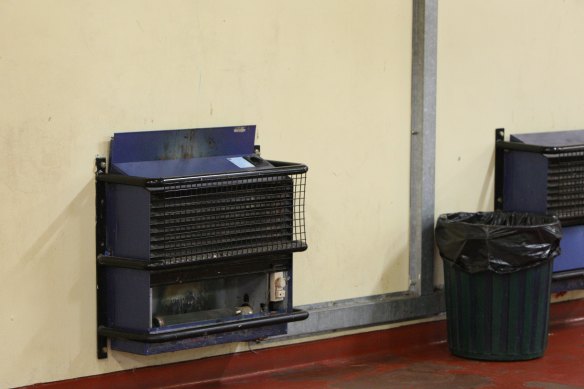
<point>432,366</point>
<point>412,356</point>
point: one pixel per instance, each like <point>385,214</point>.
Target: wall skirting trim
<point>225,367</point>
<point>365,311</point>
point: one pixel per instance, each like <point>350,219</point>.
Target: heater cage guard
<point>247,248</point>
<point>564,187</point>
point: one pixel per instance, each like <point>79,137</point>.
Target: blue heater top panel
<point>551,139</point>
<point>181,144</point>
<point>175,153</point>
<point>192,166</point>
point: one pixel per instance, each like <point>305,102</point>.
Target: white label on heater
<point>240,162</point>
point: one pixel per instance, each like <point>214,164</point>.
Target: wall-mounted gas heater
<point>195,235</point>
<point>544,173</point>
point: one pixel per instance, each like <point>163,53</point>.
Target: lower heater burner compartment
<point>158,310</point>
<point>195,233</point>
<point>191,335</point>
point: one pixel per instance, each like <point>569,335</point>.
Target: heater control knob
<point>277,286</point>
<point>280,283</point>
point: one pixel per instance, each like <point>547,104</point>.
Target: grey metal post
<point>420,300</point>
<point>423,143</point>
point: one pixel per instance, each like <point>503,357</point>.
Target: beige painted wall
<point>326,82</point>
<point>513,64</point>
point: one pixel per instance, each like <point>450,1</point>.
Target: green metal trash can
<point>497,278</point>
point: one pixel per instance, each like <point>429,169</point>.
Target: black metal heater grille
<point>223,217</point>
<point>565,186</point>
<point>195,236</point>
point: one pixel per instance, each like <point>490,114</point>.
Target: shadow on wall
<point>42,246</point>
<point>82,204</point>
<point>54,313</point>
<point>485,198</point>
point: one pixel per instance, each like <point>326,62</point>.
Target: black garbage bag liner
<point>501,242</point>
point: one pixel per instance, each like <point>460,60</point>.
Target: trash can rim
<point>547,220</point>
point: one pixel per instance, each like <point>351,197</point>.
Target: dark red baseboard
<point>285,357</point>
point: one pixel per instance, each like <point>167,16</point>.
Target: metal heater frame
<point>159,271</point>
<point>561,281</point>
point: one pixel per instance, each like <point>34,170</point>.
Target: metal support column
<point>420,300</point>
<point>423,141</point>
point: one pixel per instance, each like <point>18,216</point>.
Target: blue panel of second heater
<point>572,246</point>
<point>525,182</point>
<point>525,190</point>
